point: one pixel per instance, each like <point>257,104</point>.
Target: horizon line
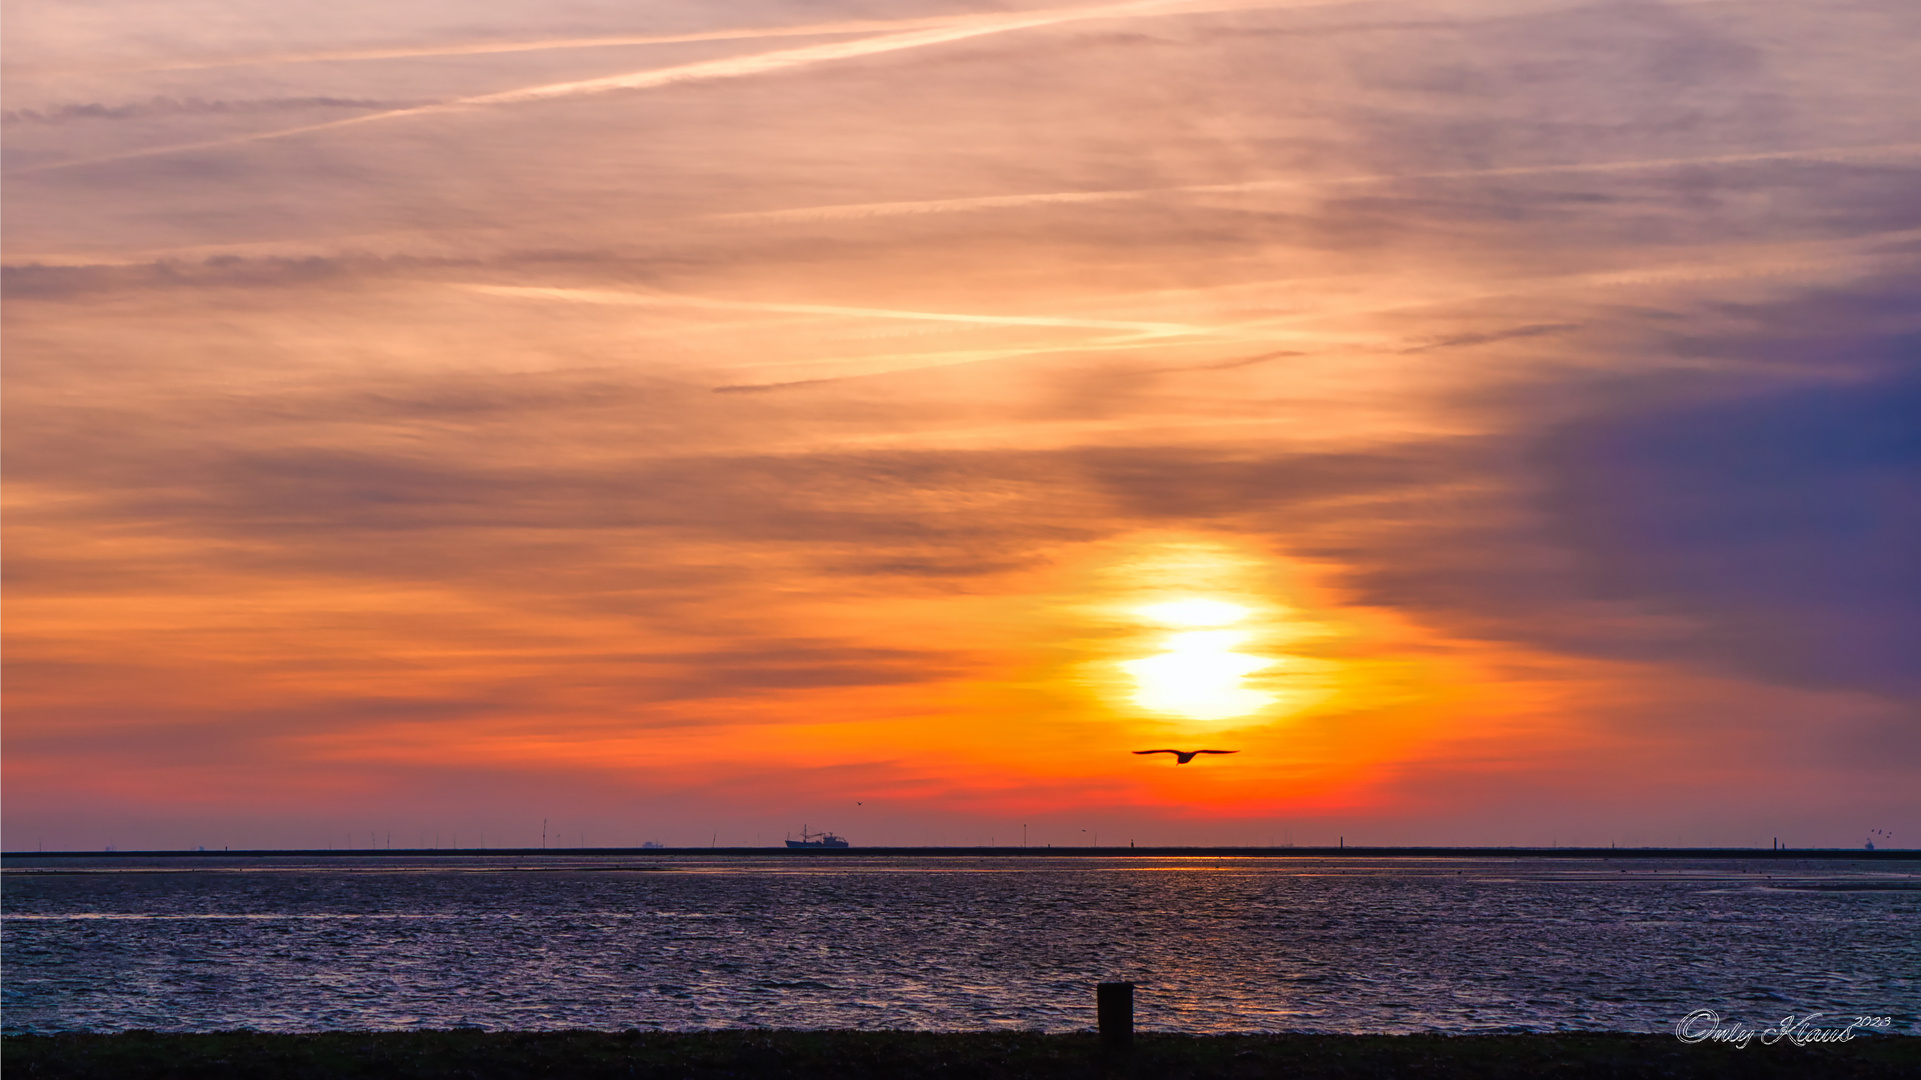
<point>1001,850</point>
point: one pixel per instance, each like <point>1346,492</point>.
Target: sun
<point>1195,611</point>
<point>1199,676</point>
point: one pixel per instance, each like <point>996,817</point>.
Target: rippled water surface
<point>683,942</point>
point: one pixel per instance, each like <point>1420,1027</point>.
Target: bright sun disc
<point>1200,677</point>
<point>1195,612</point>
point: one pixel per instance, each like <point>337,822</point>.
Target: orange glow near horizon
<point>721,428</point>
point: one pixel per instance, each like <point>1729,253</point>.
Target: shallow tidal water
<point>952,944</point>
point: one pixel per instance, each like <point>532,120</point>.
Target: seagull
<point>1182,757</point>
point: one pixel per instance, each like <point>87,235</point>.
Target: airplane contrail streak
<point>995,202</point>
<point>1821,257</point>
<point>600,296</point>
<point>728,68</point>
<point>491,48</point>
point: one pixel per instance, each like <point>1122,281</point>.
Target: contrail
<point>488,48</point>
<point>1761,261</point>
<point>995,202</point>
<point>1748,262</point>
<point>735,67</point>
<point>908,363</point>
<point>485,48</point>
<point>602,296</point>
<point>730,68</point>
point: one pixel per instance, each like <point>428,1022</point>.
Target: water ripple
<point>954,944</point>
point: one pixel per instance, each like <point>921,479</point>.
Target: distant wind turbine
<point>1182,757</point>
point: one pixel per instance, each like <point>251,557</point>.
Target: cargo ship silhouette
<point>819,840</point>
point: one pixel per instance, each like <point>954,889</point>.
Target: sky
<point>433,424</point>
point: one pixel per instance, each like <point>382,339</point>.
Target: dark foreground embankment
<point>842,1055</point>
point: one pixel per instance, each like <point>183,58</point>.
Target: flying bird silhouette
<point>1182,757</point>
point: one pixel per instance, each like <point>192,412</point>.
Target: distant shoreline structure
<point>816,840</point>
<point>1349,852</point>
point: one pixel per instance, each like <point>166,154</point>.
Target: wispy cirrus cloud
<point>169,106</point>
<point>819,417</point>
<point>922,36</point>
<point>1887,151</point>
<point>593,296</point>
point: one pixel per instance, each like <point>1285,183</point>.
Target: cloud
<point>728,68</point>
<point>490,48</point>
<point>1753,517</point>
<point>1536,370</point>
<point>1487,337</point>
<point>170,106</point>
<point>591,296</point>
<point>41,282</point>
<point>1874,153</point>
<point>1780,519</point>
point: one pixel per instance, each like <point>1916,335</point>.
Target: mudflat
<point>851,1055</point>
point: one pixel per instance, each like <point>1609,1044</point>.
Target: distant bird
<point>1182,757</point>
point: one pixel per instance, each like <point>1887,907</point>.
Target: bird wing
<point>1217,751</point>
<point>1157,751</point>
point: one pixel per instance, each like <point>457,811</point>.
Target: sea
<point>302,943</point>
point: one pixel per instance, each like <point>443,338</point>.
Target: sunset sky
<point>1498,420</point>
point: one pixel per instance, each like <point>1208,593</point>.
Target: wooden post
<point>1114,1004</point>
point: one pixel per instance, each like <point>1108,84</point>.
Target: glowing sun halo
<point>1200,675</point>
<point>1195,612</point>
